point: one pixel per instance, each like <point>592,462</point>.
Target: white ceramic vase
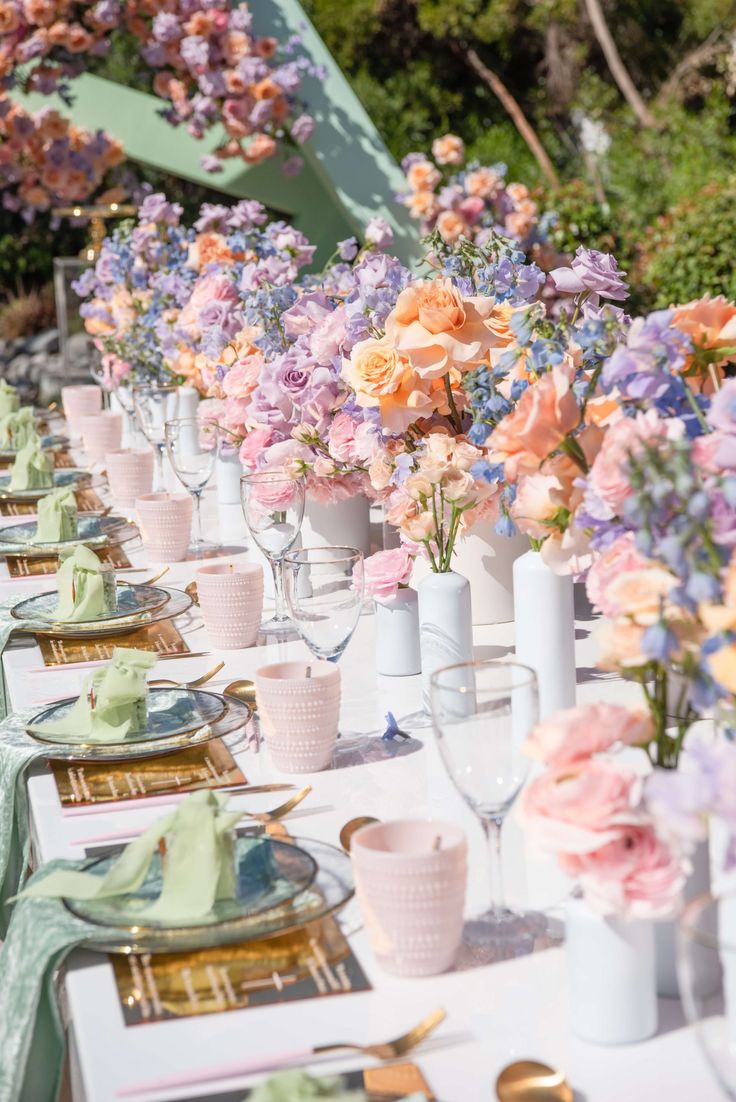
<point>397,635</point>
<point>341,524</point>
<point>545,630</point>
<point>445,625</point>
<point>665,933</point>
<point>228,470</point>
<point>611,976</point>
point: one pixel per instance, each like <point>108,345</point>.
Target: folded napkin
<point>87,587</point>
<point>17,751</point>
<point>297,1086</point>
<point>9,399</point>
<point>112,703</point>
<point>17,429</point>
<point>33,468</point>
<point>57,517</point>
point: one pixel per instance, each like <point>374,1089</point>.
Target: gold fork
<point>198,681</point>
<point>389,1050</point>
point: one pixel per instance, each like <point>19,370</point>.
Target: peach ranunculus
<point>620,645</point>
<point>438,329</point>
<point>451,226</point>
<point>577,733</point>
<point>422,204</point>
<point>260,148</point>
<point>620,558</point>
<point>483,182</point>
<point>709,322</point>
<point>641,594</point>
<point>448,150</point>
<point>423,176</point>
<point>546,412</point>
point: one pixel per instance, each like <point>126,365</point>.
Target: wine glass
<point>192,449</point>
<point>324,597</point>
<point>154,406</point>
<point>482,713</point>
<point>273,507</point>
<point>124,395</point>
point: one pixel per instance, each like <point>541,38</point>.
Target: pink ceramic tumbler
<point>77,402</point>
<point>299,707</point>
<point>410,878</point>
<point>130,476</point>
<point>101,432</point>
<point>231,600</point>
<point>165,523</point>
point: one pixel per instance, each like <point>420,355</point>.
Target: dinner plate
<point>269,874</point>
<point>171,712</point>
<point>70,476</point>
<point>178,602</point>
<point>133,600</point>
<point>92,531</point>
<point>48,444</point>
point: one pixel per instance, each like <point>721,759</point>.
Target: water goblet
<point>324,597</point>
<point>482,714</point>
<point>192,450</point>
<point>154,406</point>
<point>273,507</point>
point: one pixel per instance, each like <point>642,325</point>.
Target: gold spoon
<point>244,691</point>
<point>530,1081</point>
<point>189,684</point>
<point>191,591</point>
<point>353,825</point>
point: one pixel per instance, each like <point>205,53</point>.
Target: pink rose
<point>384,572</point>
<point>620,558</point>
<point>634,874</point>
<point>341,439</point>
<point>608,477</point>
<point>274,496</point>
<point>253,445</point>
<point>576,733</point>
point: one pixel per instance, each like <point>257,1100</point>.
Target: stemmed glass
<point>192,449</point>
<point>124,395</point>
<point>154,406</point>
<point>273,507</point>
<point>324,597</point>
<point>482,713</point>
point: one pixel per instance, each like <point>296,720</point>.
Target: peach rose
<point>723,666</point>
<point>710,322</point>
<point>260,148</point>
<point>422,204</point>
<point>619,559</point>
<point>40,12</point>
<point>451,226</point>
<point>483,182</point>
<point>373,369</point>
<point>423,176</point>
<point>577,733</point>
<point>380,472</point>
<point>640,594</point>
<point>620,645</point>
<point>448,150</point>
<point>546,412</point>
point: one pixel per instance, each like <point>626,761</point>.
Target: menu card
<point>163,638</point>
<point>208,766</point>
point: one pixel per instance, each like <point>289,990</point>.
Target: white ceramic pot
<point>228,470</point>
<point>397,635</point>
<point>445,625</point>
<point>611,976</point>
<point>665,933</point>
<point>545,630</point>
<point>342,524</point>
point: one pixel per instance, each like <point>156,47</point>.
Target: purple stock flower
<point>246,214</point>
<point>302,129</point>
<point>211,163</point>
<point>592,271</point>
<point>157,208</point>
<point>378,233</point>
<point>211,217</point>
<point>166,27</point>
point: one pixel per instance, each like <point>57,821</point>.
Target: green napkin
<point>9,399</point>
<point>33,468</point>
<point>112,703</point>
<point>17,429</point>
<point>199,867</point>
<point>297,1086</point>
<point>17,750</point>
<point>57,517</point>
<point>87,588</point>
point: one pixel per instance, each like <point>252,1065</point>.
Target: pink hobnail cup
<point>130,476</point>
<point>231,602</point>
<point>410,879</point>
<point>165,523</point>
<point>77,402</point>
<point>299,713</point>
<point>101,432</point>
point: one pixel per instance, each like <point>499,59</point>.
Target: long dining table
<point>496,1013</point>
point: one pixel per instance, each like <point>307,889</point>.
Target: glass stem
<point>277,567</point>
<point>492,830</point>
<point>159,484</point>
<point>197,535</point>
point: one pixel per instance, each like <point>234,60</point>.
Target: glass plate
<point>269,874</point>
<point>330,890</point>
<point>48,444</point>
<point>72,476</point>
<point>171,712</point>
<point>177,604</point>
<point>132,600</point>
<point>93,531</point>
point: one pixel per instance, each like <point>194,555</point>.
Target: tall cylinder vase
<point>344,523</point>
<point>228,470</point>
<point>545,630</point>
<point>445,625</point>
<point>611,976</point>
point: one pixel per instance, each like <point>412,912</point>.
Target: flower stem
<point>454,415</point>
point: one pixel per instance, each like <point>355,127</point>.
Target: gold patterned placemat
<point>24,568</point>
<point>381,1084</point>
<point>313,962</point>
<point>208,766</point>
<point>163,638</point>
<point>87,502</point>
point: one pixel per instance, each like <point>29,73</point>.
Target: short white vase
<point>344,523</point>
<point>397,635</point>
<point>611,976</point>
<point>445,625</point>
<point>545,630</point>
<point>228,471</point>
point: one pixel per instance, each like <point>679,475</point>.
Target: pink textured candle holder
<point>165,523</point>
<point>130,476</point>
<point>77,402</point>
<point>410,879</point>
<point>101,432</point>
<point>299,714</point>
<point>231,601</point>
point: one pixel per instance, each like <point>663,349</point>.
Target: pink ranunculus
<point>608,477</point>
<point>384,572</point>
<point>341,439</point>
<point>577,733</point>
<point>620,558</point>
<point>253,445</point>
<point>276,495</point>
<point>634,874</point>
<point>577,808</point>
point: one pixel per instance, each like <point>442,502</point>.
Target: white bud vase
<point>445,625</point>
<point>345,523</point>
<point>544,616</point>
<point>397,635</point>
<point>611,976</point>
<point>228,472</point>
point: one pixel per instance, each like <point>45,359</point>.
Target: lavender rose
<point>592,271</point>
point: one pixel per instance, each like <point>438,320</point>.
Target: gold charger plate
<point>177,603</point>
